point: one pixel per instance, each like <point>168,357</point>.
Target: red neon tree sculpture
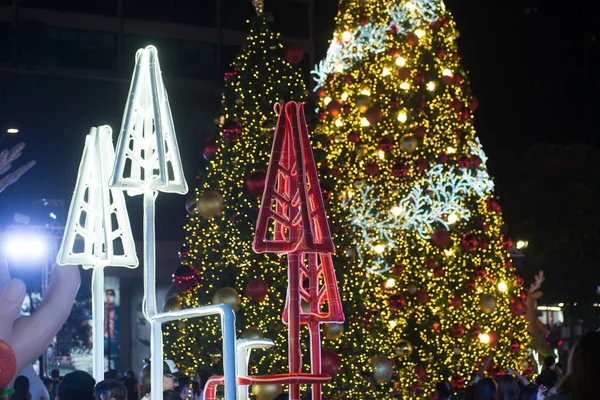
<point>292,221</point>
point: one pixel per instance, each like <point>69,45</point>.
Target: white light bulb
<point>366,92</point>
<point>344,96</point>
<point>364,122</point>
<point>502,287</point>
<point>327,100</point>
<point>347,36</point>
<point>390,283</point>
<point>521,244</point>
<point>339,67</point>
<point>420,33</point>
<point>400,61</point>
<point>452,218</point>
<point>339,123</point>
<point>405,86</point>
<point>385,72</point>
<point>379,249</point>
<point>484,338</point>
<point>450,150</point>
<point>448,252</point>
<point>396,211</point>
<point>393,323</point>
<point>402,117</point>
<point>381,154</point>
<point>447,72</point>
<point>431,86</point>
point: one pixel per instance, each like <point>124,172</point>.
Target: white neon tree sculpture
<point>90,239</point>
<point>148,162</point>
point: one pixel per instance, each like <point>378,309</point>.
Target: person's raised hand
<point>6,159</point>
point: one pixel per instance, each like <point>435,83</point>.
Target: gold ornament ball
<point>229,296</point>
<point>252,333</point>
<point>333,331</point>
<point>362,102</point>
<point>487,303</point>
<point>210,204</point>
<point>382,368</point>
<point>266,392</point>
<point>409,143</point>
<point>351,253</point>
<point>404,349</point>
<point>172,304</point>
<point>411,288</point>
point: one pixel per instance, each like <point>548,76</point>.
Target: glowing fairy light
<point>400,61</point>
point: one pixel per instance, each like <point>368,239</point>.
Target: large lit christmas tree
<point>218,264</point>
<point>437,293</point>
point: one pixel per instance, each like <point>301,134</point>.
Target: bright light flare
<point>390,283</point>
<point>12,131</point>
<point>484,338</point>
<point>379,249</point>
<point>346,36</point>
<point>502,287</point>
<point>522,244</point>
<point>25,247</point>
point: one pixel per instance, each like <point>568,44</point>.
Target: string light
<point>502,287</point>
<point>327,100</point>
<point>420,33</point>
<point>346,36</point>
<point>400,61</point>
<point>390,283</point>
<point>402,117</point>
<point>385,71</point>
<point>405,86</point>
<point>431,86</point>
<point>364,122</point>
<point>484,338</point>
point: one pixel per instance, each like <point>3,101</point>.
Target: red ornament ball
<point>256,290</point>
<point>412,39</point>
<point>334,108</point>
<point>397,302</point>
<point>515,346</point>
<point>422,296</point>
<point>321,92</point>
<point>441,238</point>
<point>420,132</point>
<point>363,20</point>
<point>457,382</point>
<point>493,206</point>
<point>398,269</point>
<point>209,150</point>
<point>385,144</point>
<point>420,372</point>
<point>185,278</point>
<point>469,242</point>
<point>456,302</point>
<point>458,330</point>
<point>403,73</point>
<point>484,244</point>
<point>231,131</point>
<point>8,364</point>
<point>517,307</point>
<point>372,168</point>
<point>374,115</point>
<point>438,272</point>
<point>507,243</point>
<point>422,164</point>
<point>430,263</point>
<point>400,170</point>
<point>442,158</point>
<point>463,161</point>
<point>475,161</point>
<point>330,362</point>
<point>293,53</point>
<point>255,183</point>
<point>354,137</point>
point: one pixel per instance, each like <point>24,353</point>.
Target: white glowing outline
<point>370,39</point>
<point>148,146</point>
<point>428,204</point>
<point>97,233</point>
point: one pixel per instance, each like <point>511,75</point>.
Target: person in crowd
<point>171,395</point>
<point>581,380</point>
<point>549,376</point>
<point>111,374</point>
<point>484,389</point>
<point>49,384</point>
<point>110,389</point>
<point>78,385</point>
<point>200,378</point>
<point>183,387</point>
<point>131,384</point>
<point>532,392</point>
<point>508,388</point>
<point>21,387</point>
<point>443,390</point>
<point>55,375</point>
<point>169,371</point>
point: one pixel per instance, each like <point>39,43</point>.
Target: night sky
<point>533,66</point>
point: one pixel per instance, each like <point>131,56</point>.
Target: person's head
<point>110,296</point>
<point>531,392</point>
<point>183,388</point>
<point>201,376</point>
<point>548,378</point>
<point>508,388</point>
<point>48,383</point>
<point>78,385</point>
<point>169,372</point>
<point>171,395</point>
<point>443,390</point>
<point>129,374</point>
<point>485,389</point>
<point>21,387</point>
<point>111,374</point>
<point>110,389</point>
<point>55,374</point>
<point>584,369</point>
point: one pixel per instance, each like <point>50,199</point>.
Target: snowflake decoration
<point>370,39</point>
<point>428,205</point>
